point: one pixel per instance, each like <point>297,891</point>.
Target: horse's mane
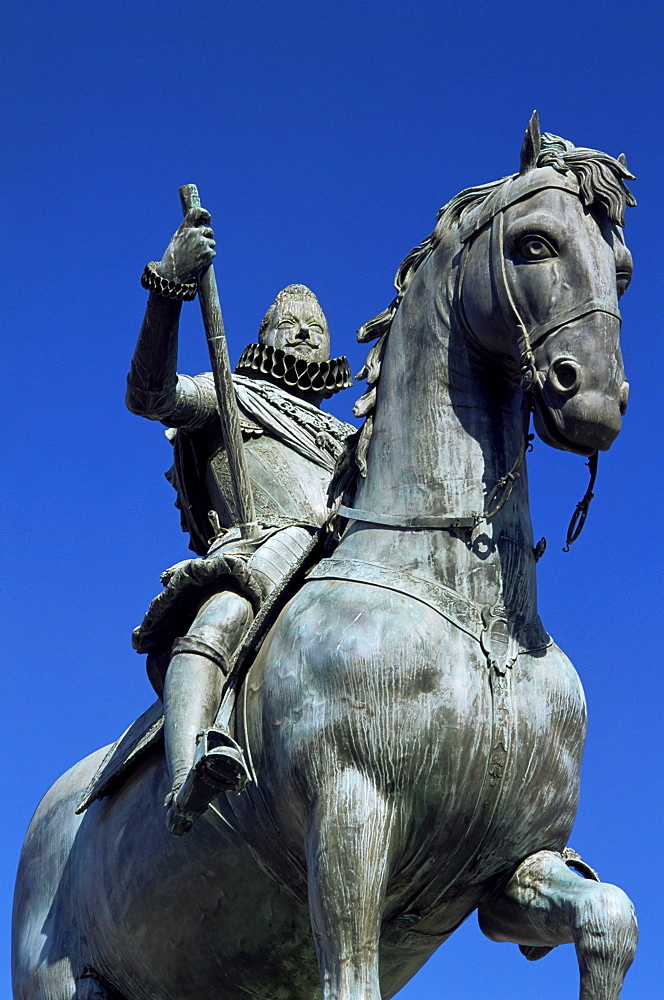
<point>602,186</point>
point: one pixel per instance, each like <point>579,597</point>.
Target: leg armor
<point>205,760</point>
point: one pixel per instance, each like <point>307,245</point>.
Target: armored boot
<point>219,766</point>
<point>203,760</point>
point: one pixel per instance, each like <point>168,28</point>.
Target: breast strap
<point>501,634</point>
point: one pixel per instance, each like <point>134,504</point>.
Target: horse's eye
<point>623,279</point>
<point>535,247</point>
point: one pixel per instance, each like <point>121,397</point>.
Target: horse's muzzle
<point>589,421</point>
<point>581,393</point>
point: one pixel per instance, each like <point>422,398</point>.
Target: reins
<point>581,513</point>
<point>494,503</point>
<point>501,492</point>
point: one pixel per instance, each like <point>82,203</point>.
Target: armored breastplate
<point>287,487</point>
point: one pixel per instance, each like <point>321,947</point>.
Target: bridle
<point>492,213</point>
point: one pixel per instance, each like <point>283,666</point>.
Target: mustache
<point>303,343</point>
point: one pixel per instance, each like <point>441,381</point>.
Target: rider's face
<point>299,328</point>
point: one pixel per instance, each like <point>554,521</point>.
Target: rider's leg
<point>546,904</point>
<point>199,662</point>
<point>195,677</point>
<point>347,860</point>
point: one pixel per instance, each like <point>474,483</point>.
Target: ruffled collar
<point>322,378</point>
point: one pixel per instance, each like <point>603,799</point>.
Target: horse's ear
<point>530,148</point>
<point>622,160</point>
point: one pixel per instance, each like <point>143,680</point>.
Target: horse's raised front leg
<point>546,904</point>
<point>347,859</point>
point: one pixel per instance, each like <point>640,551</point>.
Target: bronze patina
<point>369,666</point>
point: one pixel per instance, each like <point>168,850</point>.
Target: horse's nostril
<point>565,375</point>
<point>624,396</point>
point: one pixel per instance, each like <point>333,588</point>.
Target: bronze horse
<point>415,735</point>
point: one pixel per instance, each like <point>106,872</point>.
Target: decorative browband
<point>327,377</point>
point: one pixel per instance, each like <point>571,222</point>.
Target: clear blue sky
<point>323,138</point>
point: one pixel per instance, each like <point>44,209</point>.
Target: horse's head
<point>543,266</point>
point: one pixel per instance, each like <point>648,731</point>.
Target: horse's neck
<point>446,429</point>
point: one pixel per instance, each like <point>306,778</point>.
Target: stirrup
<point>219,766</point>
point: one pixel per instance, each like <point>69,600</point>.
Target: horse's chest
<point>367,679</point>
<point>389,687</point>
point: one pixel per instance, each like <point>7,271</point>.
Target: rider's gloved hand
<point>191,250</point>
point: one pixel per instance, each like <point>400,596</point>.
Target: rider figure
<point>195,625</point>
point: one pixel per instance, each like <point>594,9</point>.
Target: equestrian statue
<point>362,732</point>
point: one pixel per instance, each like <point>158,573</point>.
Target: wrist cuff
<point>181,291</point>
